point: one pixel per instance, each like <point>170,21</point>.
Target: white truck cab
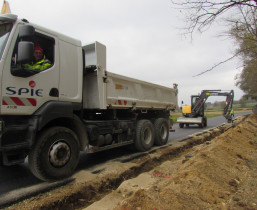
<point>74,105</point>
<point>23,92</point>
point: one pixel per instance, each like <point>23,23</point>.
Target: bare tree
<point>242,18</point>
<point>201,14</point>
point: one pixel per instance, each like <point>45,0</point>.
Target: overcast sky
<point>143,40</point>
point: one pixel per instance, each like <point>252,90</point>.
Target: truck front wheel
<point>144,135</point>
<point>55,155</point>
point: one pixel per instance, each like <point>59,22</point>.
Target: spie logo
<point>32,84</point>
<point>25,91</point>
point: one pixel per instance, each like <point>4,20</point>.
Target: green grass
<point>209,115</point>
<point>175,116</point>
<point>248,105</point>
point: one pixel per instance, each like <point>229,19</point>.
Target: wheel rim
<point>59,154</point>
<point>163,132</point>
<point>147,135</point>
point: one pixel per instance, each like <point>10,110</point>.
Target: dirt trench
<point>216,170</point>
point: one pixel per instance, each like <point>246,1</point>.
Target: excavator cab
<point>197,106</point>
<point>188,109</point>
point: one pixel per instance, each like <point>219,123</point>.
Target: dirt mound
<point>220,174</point>
<point>215,170</point>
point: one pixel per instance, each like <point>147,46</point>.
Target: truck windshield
<point>5,29</point>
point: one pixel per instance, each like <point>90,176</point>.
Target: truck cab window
<point>43,56</point>
<point>47,47</point>
<point>43,53</point>
<point>40,61</point>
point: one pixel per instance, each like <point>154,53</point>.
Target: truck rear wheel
<point>144,135</point>
<point>55,155</point>
<point>161,129</point>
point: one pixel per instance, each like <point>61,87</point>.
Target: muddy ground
<point>215,170</point>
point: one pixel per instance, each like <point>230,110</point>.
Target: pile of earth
<point>216,170</point>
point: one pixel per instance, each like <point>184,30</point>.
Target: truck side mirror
<point>25,52</point>
<point>26,31</point>
<point>25,55</point>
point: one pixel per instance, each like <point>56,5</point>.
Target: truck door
<point>24,95</point>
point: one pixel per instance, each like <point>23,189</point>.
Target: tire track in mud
<point>101,181</point>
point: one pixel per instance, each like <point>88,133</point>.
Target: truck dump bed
<point>103,89</point>
<point>132,93</point>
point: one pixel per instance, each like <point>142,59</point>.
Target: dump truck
<point>194,113</point>
<point>74,105</point>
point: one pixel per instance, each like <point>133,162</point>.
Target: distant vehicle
<point>194,113</point>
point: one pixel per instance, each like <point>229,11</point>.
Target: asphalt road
<point>18,180</point>
<point>181,133</point>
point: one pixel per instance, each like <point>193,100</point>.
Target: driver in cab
<point>40,62</point>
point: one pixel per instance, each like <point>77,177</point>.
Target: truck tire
<point>181,125</point>
<point>161,129</point>
<point>55,155</point>
<point>144,135</point>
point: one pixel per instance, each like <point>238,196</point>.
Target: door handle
<point>54,92</point>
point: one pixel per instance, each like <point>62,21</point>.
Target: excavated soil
<point>214,170</point>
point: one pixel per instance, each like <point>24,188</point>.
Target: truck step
<point>23,145</point>
<point>13,157</point>
<point>16,127</point>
